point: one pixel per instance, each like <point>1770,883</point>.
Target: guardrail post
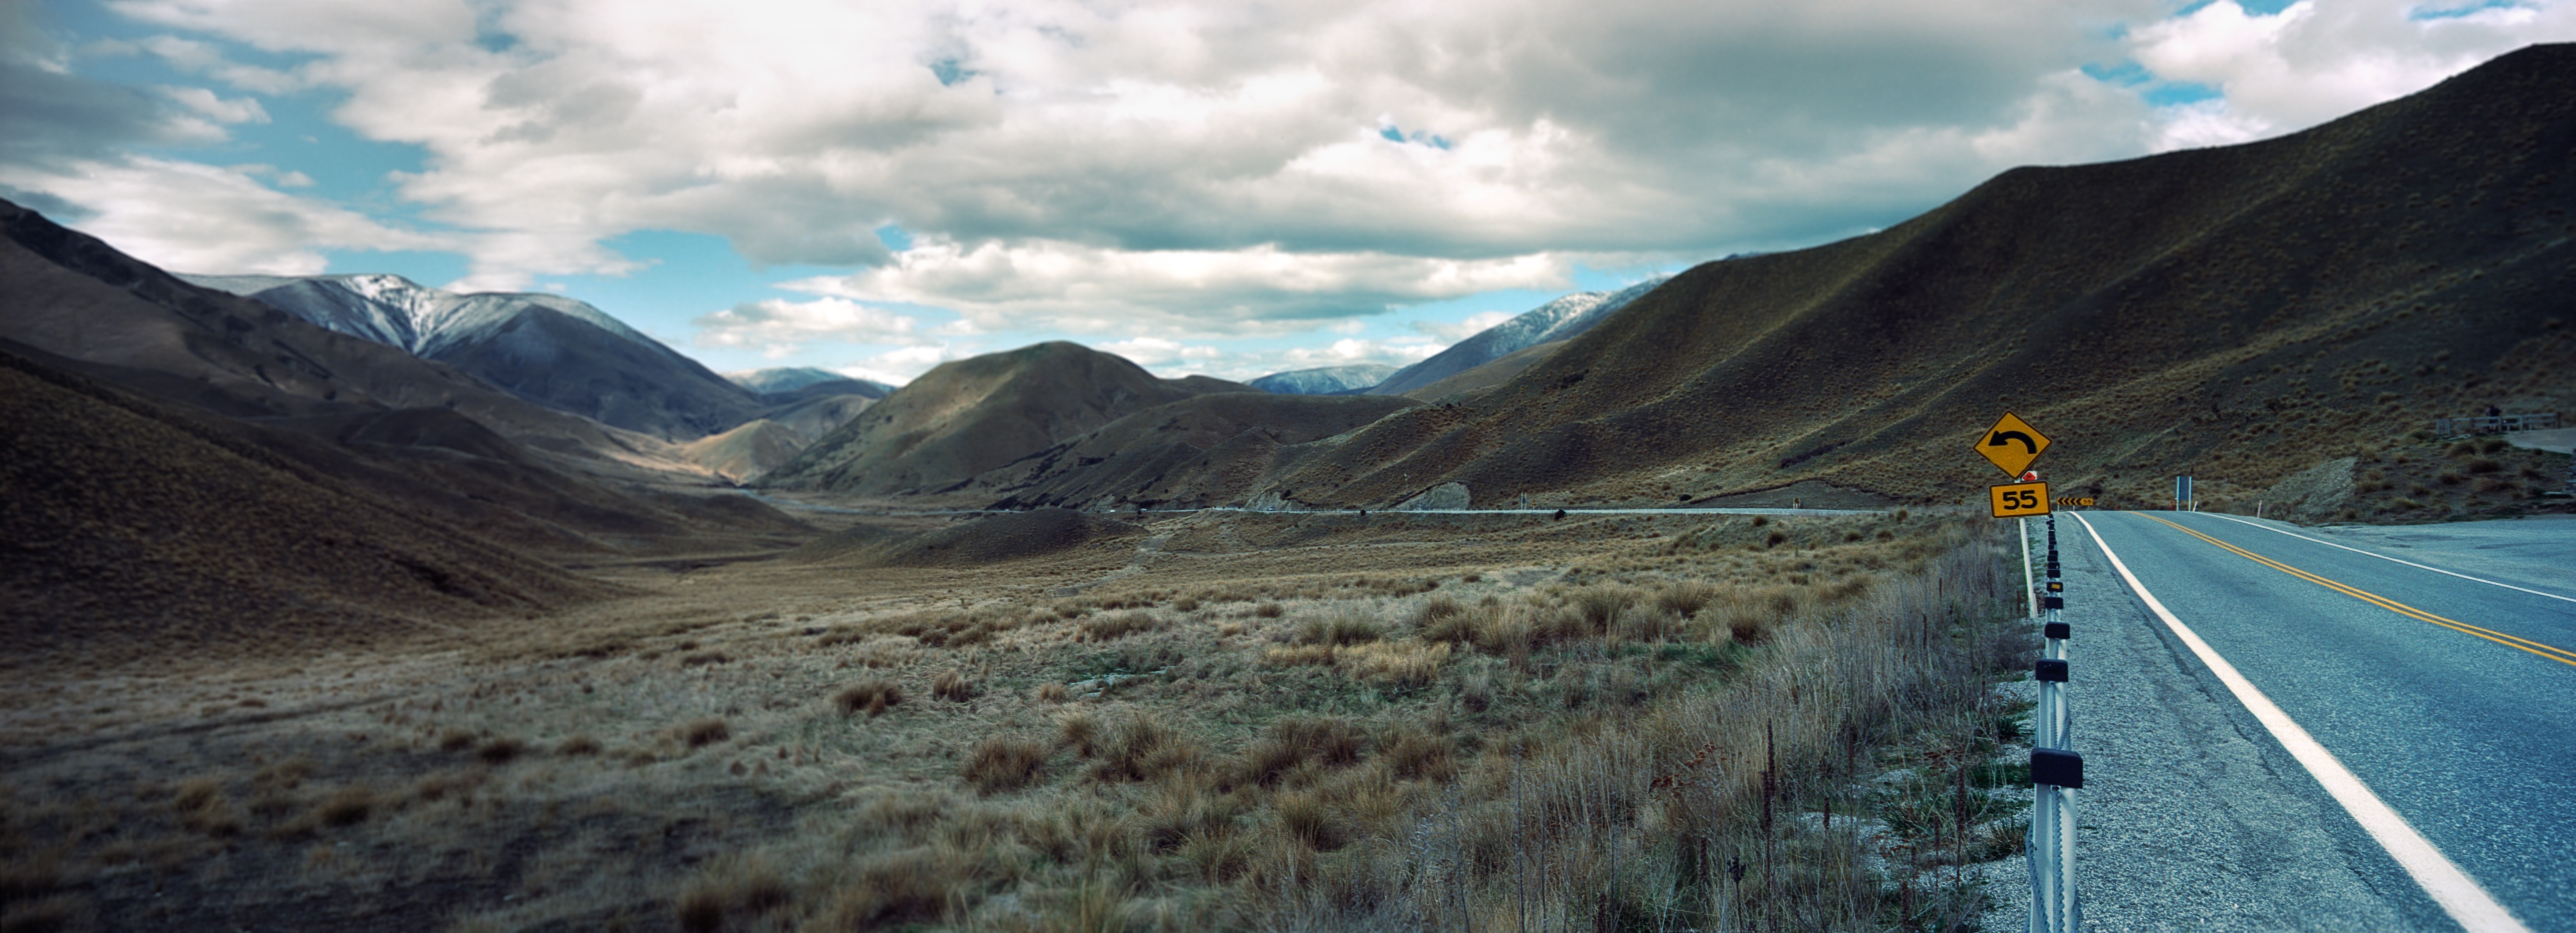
<point>2029,586</point>
<point>2056,771</point>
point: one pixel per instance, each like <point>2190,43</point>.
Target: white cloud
<point>1461,330</point>
<point>189,217</point>
<point>1155,352</point>
<point>1191,170</point>
<point>1159,132</point>
<point>196,57</point>
<point>2313,61</point>
<point>206,104</point>
<point>1091,289</point>
<point>780,323</point>
<point>899,366</point>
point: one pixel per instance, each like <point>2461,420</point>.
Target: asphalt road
<point>2197,815</point>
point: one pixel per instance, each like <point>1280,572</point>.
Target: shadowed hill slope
<point>74,296</point>
<point>2239,312</point>
<point>133,531</point>
<point>969,416</point>
<point>416,433</point>
<point>1208,450</point>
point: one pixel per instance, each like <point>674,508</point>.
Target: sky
<point>1223,188</point>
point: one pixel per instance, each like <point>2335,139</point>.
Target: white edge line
<point>2394,560</point>
<point>2459,895</point>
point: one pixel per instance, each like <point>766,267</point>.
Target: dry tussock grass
<point>1322,749</point>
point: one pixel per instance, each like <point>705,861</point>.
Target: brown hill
<point>2240,313</point>
<point>811,417</point>
<point>969,416</point>
<point>1486,378</point>
<point>134,531</point>
<point>1208,450</point>
<point>746,451</point>
<point>407,431</point>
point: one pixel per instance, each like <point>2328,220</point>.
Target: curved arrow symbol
<point>2002,439</point>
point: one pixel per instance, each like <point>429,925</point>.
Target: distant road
<point>2435,665</point>
<point>1681,510</point>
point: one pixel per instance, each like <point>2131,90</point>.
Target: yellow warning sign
<point>2012,444</point>
<point>2019,500</point>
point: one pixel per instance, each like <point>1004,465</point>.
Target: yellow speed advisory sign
<point>2018,500</point>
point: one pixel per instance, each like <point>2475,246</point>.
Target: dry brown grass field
<point>1216,721</point>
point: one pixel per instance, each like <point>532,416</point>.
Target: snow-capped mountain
<point>797,379</point>
<point>1562,319</point>
<point>395,310</point>
<point>549,349</point>
<point>1325,380</point>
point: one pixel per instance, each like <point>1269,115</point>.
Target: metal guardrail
<point>2495,424</point>
<point>2056,770</point>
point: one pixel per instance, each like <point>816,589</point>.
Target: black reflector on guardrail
<point>2050,671</point>
<point>2052,602</point>
<point>2056,766</point>
<point>2055,630</point>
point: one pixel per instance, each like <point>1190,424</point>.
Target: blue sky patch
<point>2434,11</point>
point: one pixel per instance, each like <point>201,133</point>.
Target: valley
<point>342,602</point>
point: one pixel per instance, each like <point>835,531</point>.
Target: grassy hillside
<point>973,415</point>
<point>1207,450</point>
<point>136,532</point>
<point>2240,313</point>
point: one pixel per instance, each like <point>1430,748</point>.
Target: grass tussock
<point>952,685</point>
<point>1000,765</point>
<point>1120,625</point>
<point>873,697</point>
<point>700,733</point>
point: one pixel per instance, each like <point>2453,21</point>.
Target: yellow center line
<point>2552,652</point>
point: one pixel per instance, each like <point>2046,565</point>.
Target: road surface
<point>2435,666</point>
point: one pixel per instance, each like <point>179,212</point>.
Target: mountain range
<point>2243,313</point>
<point>1324,380</point>
<point>555,351</point>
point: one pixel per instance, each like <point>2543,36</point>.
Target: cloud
<point>1461,330</point>
<point>899,366</point>
<point>1167,132</point>
<point>2312,62</point>
<point>189,217</point>
<point>782,323</point>
<point>1198,170</point>
<point>1090,289</point>
<point>51,119</point>
<point>1155,351</point>
<point>206,104</point>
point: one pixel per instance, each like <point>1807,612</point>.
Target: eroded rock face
<point>1441,497</point>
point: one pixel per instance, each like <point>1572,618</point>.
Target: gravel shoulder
<point>2192,817</point>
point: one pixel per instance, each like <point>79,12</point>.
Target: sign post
<point>2056,770</point>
